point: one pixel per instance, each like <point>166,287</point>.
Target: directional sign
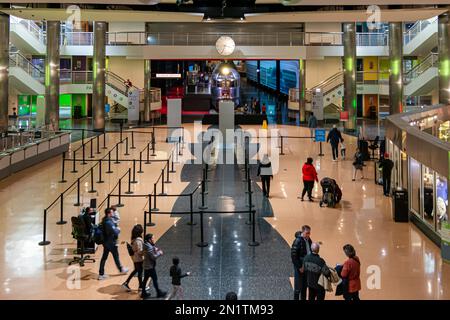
<point>320,135</point>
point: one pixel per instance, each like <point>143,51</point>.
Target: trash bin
<point>77,112</point>
<point>400,209</point>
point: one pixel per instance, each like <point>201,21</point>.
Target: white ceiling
<point>155,16</point>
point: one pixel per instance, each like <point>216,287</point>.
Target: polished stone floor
<point>410,264</point>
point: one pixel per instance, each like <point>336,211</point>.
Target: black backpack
<point>130,249</point>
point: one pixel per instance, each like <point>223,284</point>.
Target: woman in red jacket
<point>350,272</point>
<point>309,176</point>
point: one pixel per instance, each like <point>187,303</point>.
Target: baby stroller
<point>331,193</point>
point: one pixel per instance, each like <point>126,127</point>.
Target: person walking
<point>334,137</point>
<point>314,266</point>
<point>386,165</point>
<point>299,249</point>
<point>312,124</point>
<point>351,273</point>
<point>309,176</point>
<point>176,275</point>
<point>358,164</point>
<point>137,243</point>
<point>110,236</point>
<point>151,253</point>
<point>263,109</point>
<point>265,172</point>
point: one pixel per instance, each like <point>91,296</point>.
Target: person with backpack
<point>386,165</point>
<point>176,275</point>
<point>358,164</point>
<point>351,273</point>
<point>334,137</point>
<point>110,235</point>
<point>151,253</point>
<point>265,172</point>
<point>299,249</point>
<point>314,266</point>
<point>136,251</point>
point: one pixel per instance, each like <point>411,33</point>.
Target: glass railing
<point>75,77</point>
<point>371,39</point>
<point>329,84</point>
<point>77,39</point>
<point>18,60</point>
<point>372,77</point>
<point>420,25</point>
<point>31,26</point>
<point>431,60</point>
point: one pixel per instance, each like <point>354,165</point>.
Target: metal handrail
<point>16,59</point>
<point>416,28</point>
<point>429,61</point>
<point>31,26</point>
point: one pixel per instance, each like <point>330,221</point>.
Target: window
<point>414,169</point>
<point>441,201</point>
<point>428,196</point>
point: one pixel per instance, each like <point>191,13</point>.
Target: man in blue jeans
<point>110,235</point>
<point>300,248</point>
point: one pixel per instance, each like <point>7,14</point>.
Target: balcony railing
<point>18,60</point>
<point>371,39</point>
<point>431,60</point>
<point>31,26</point>
<point>75,77</point>
<point>420,25</point>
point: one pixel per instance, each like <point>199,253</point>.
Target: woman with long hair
<point>137,244</point>
<point>351,273</point>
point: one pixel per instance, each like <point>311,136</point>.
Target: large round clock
<point>225,45</point>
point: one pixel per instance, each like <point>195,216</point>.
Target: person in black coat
<point>300,248</point>
<point>334,137</point>
<point>386,165</point>
<point>176,275</point>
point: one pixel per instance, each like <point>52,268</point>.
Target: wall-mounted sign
<point>168,75</point>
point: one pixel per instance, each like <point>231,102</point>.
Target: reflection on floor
<point>410,264</point>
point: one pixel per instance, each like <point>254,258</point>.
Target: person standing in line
<point>358,164</point>
<point>351,272</point>
<point>265,172</point>
<point>151,253</point>
<point>386,165</point>
<point>299,249</point>
<point>309,176</point>
<point>312,124</point>
<point>138,258</point>
<point>176,275</point>
<point>334,137</point>
<point>110,236</point>
<point>314,266</point>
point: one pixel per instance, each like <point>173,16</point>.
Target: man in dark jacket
<point>300,248</point>
<point>151,253</point>
<point>334,137</point>
<point>312,124</point>
<point>110,235</point>
<point>386,165</point>
<point>314,266</point>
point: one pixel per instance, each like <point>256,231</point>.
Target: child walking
<point>176,275</point>
<point>343,150</point>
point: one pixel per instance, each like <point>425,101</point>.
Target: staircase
<point>332,91</point>
<point>24,76</point>
<point>421,38</point>
<point>27,36</point>
<point>423,78</point>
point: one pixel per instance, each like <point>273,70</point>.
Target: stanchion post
<point>191,211</point>
<point>134,171</point>
<point>168,171</point>
<point>44,241</point>
<point>129,182</point>
<point>61,212</point>
<point>150,223</point>
<point>78,194</point>
<point>203,206</point>
<point>63,167</point>
<point>108,201</point>
<point>126,147</point>
<point>121,127</point>
<point>98,144</point>
<point>282,146</point>
<point>173,169</point>
<point>179,149</point>
<point>162,183</point>
<point>91,156</point>
<point>250,203</point>
<point>320,149</point>
<point>104,140</point>
<point>120,204</point>
<point>253,243</point>
<point>82,136</point>
<point>153,143</point>
<point>84,156</point>
<point>202,242</point>
<point>148,154</point>
<point>74,165</point>
<point>92,181</point>
<point>100,171</point>
<point>154,198</point>
<point>109,163</point>
<point>117,154</point>
<point>132,140</point>
<point>140,163</point>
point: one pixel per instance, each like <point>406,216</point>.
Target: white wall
<point>321,69</point>
<point>323,27</point>
<point>126,26</point>
<point>132,69</point>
